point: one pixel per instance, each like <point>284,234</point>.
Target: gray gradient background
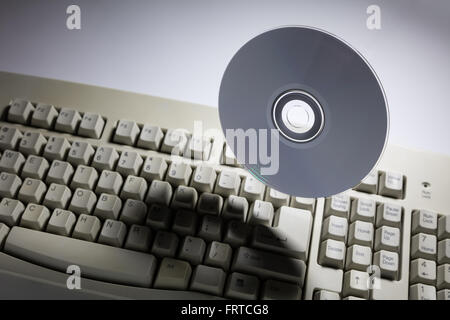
<point>180,49</point>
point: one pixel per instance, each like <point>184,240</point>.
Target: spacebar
<point>96,261</point>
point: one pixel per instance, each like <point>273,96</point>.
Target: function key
<point>67,120</point>
<point>369,183</point>
<point>151,137</point>
<point>126,132</point>
<point>91,125</point>
<point>20,111</point>
<point>303,203</point>
<point>391,185</point>
<point>175,141</point>
<point>44,116</point>
<point>198,148</point>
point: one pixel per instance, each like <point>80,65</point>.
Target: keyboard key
<point>4,230</point>
<point>326,295</point>
<point>361,232</point>
<point>211,228</point>
<point>87,228</point>
<point>389,215</point>
<point>443,276</point>
<point>208,280</point>
<point>159,217</point>
<point>237,233</point>
<point>290,236</point>
<point>338,205</point>
<point>130,163</point>
<point>252,189</point>
<point>108,206</point>
<point>12,162</point>
<point>277,198</point>
<point>83,201</point>
<point>356,284</point>
<point>57,196</point>
<point>369,183</point>
<point>185,223</point>
<point>97,261</point>
<point>20,111</point>
<point>126,132</point>
<point>261,212</point>
<point>277,290</point>
<point>138,238</point>
<point>387,238</point>
<point>113,233</point>
<point>443,294</point>
<point>109,182</point>
<point>388,262</point>
<point>358,257</point>
<point>179,173</point>
<point>173,274</point>
<point>9,138</point>
<point>35,168</point>
<point>219,255</point>
<point>423,271</point>
<point>204,178</point>
<point>61,222</point>
<point>237,207</point>
<point>56,148</point>
<point>80,153</point>
<point>424,221</point>
<point>60,172</point>
<point>332,254</point>
<point>35,217</point>
<point>228,183</point>
<point>150,138</point>
<point>363,209</point>
<point>10,211</point>
<point>134,188</point>
<point>165,244</point>
<point>391,185</point>
<point>175,141</point>
<point>444,227</point>
<point>105,158</point>
<point>9,185</point>
<point>303,203</point>
<point>32,143</point>
<point>444,251</point>
<point>134,212</point>
<point>192,250</point>
<point>423,246</point>
<point>32,190</point>
<point>209,203</point>
<point>242,286</point>
<point>269,265</point>
<point>44,116</point>
<point>160,192</point>
<point>68,120</point>
<point>228,157</point>
<point>422,291</point>
<point>198,148</point>
<point>91,125</point>
<point>184,198</point>
<point>154,168</point>
<point>84,177</point>
<point>335,228</point>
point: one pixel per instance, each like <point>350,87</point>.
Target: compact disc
<point>303,111</point>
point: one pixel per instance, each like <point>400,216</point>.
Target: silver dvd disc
<point>318,96</point>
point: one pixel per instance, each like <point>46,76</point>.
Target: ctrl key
<point>173,274</point>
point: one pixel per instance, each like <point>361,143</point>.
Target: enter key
<point>290,234</point>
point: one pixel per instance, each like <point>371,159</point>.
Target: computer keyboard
<point>106,181</point>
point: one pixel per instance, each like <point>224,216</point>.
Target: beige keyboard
<point>115,185</point>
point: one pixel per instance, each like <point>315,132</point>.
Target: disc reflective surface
<point>322,98</point>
